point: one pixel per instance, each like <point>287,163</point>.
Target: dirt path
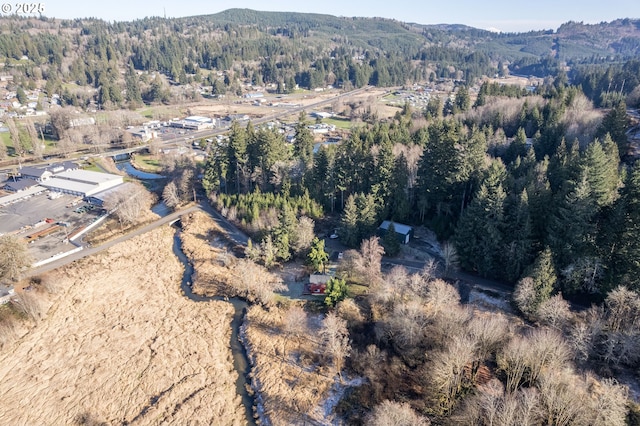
<point>122,345</point>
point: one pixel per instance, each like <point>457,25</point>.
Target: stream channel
<point>238,351</point>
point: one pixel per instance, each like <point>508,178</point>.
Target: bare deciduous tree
<point>37,145</point>
<point>548,350</point>
<point>489,333</point>
<point>349,310</point>
<point>407,324</point>
<point>563,398</point>
<point>170,195</point>
<point>14,134</point>
<point>256,282</point>
<point>623,309</point>
<point>368,264</point>
<point>586,332</point>
<point>335,339</point>
<point>441,296</point>
<point>3,151</point>
<point>14,257</point>
<point>295,323</point>
<point>60,121</point>
<point>609,402</point>
<point>303,236</point>
<point>554,312</point>
<point>525,295</point>
<point>391,413</point>
<point>512,360</point>
<point>450,257</point>
<point>447,372</point>
<point>129,205</point>
<point>492,406</point>
<point>391,287</point>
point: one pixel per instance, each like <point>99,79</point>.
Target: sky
<point>504,15</point>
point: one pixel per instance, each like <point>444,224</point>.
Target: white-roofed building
<point>83,182</point>
<point>193,122</point>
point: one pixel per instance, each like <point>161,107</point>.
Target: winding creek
<point>239,354</point>
<point>238,351</point>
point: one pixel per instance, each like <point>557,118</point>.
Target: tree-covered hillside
<point>284,50</point>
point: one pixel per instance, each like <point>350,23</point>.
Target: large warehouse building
<point>83,183</point>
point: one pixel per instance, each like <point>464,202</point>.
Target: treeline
<point>606,84</point>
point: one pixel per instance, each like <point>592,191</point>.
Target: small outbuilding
<point>404,232</point>
<point>318,283</point>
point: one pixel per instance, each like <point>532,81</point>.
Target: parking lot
<point>40,214</point>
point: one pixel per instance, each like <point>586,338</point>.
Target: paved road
<point>237,236</point>
<point>88,251</point>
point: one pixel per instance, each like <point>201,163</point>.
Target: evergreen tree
<point>564,165</point>
<point>615,123</point>
<point>572,228</point>
<point>518,250</point>
<point>462,100</point>
<point>433,110</point>
<point>335,291</point>
<point>623,230</point>
<point>399,204</point>
<point>134,96</point>
<point>283,233</point>
<point>479,236</point>
<point>440,173</point>
<point>322,182</point>
<point>237,156</point>
<point>383,175</point>
<point>303,146</point>
<point>543,273</point>
<point>318,257</point>
<point>390,241</point>
<point>517,148</point>
<point>601,172</point>
<point>21,95</point>
<point>349,230</point>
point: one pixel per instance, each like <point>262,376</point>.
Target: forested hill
<point>308,50</point>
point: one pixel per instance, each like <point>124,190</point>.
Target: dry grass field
<point>120,344</point>
<point>287,370</point>
<point>204,245</point>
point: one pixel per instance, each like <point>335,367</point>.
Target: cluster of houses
<point>11,107</point>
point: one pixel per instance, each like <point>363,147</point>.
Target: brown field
<point>120,344</point>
